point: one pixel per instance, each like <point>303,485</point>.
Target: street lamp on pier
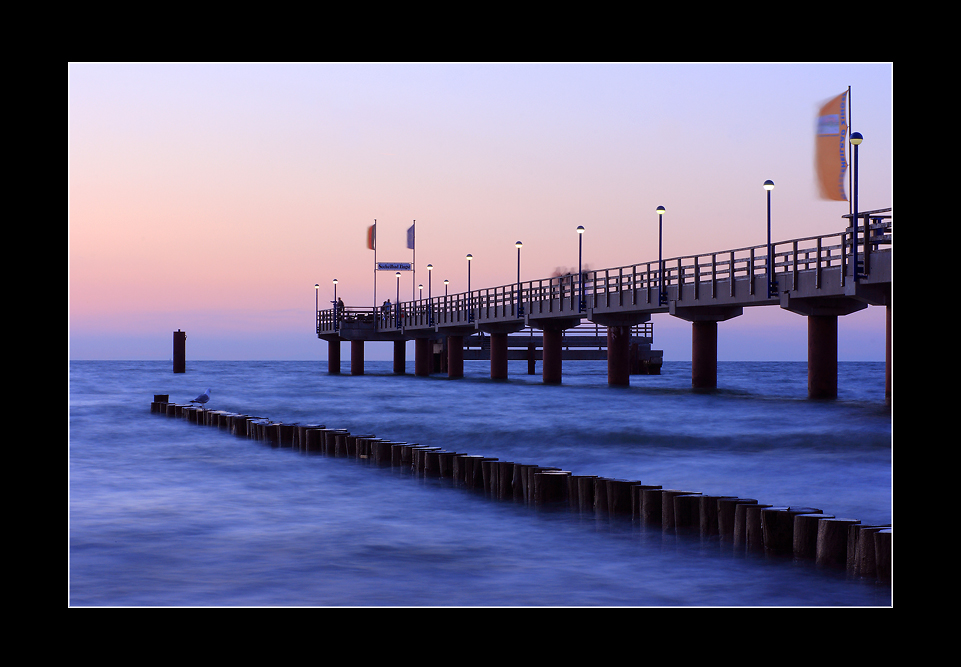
<point>430,303</point>
<point>771,283</point>
<point>661,292</point>
<point>856,139</point>
<point>520,306</point>
<point>397,302</point>
<point>470,314</point>
<point>580,270</point>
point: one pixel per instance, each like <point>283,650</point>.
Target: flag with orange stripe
<point>830,159</point>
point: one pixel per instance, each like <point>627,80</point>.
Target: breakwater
<point>743,524</point>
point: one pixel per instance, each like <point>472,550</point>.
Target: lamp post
<point>317,306</point>
<point>856,139</point>
<point>520,306</point>
<point>397,303</point>
<point>580,270</point>
<point>470,315</point>
<point>771,285</point>
<point>446,305</point>
<point>430,303</point>
<point>661,295</point>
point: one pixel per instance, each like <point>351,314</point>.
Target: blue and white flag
<point>410,237</point>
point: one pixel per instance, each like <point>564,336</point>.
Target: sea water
<point>163,512</point>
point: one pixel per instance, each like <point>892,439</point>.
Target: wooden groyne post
<point>742,524</point>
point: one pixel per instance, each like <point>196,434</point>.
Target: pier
<point>820,278</point>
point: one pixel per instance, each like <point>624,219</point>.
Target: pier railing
<point>637,284</point>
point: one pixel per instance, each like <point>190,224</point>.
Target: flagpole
<point>413,263</point>
<point>850,117</point>
<point>374,304</point>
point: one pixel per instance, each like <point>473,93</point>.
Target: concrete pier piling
<point>455,356</point>
<point>333,356</point>
<point>356,357</point>
<point>422,357</point>
<point>804,533</point>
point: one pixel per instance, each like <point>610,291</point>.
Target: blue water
<point>164,512</point>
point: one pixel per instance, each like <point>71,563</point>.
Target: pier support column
<point>552,345</point>
<point>455,356</point>
<point>887,353</point>
<point>704,355</point>
<point>333,357</point>
<point>498,356</point>
<point>704,321</point>
<point>356,357</point>
<point>822,356</point>
<point>423,357</point>
<point>551,355</point>
<point>822,314</point>
<point>619,327</point>
<point>400,357</point>
<point>619,356</point>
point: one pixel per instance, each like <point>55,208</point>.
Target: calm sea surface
<point>167,513</point>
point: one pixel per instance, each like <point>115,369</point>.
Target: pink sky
<point>211,198</point>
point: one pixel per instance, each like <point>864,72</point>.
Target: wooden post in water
<point>667,506</point>
<point>777,527</point>
<point>687,511</point>
<point>180,351</point>
<point>726,511</point>
<point>637,500</point>
<point>751,527</point>
<point>806,534</point>
<point>832,542</point>
<point>709,513</point>
<point>882,554</point>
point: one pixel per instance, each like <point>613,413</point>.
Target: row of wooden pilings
<point>806,533</point>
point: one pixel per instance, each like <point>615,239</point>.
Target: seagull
<point>202,399</point>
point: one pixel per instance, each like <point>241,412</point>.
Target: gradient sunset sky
<point>212,197</point>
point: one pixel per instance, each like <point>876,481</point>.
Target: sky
<point>211,198</point>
